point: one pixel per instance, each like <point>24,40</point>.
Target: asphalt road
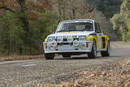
<point>28,73</point>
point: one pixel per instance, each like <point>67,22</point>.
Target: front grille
<point>76,39</point>
<point>64,39</point>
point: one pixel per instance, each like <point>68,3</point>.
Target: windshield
<point>78,26</point>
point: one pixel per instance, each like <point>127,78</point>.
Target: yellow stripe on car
<point>46,40</point>
<point>94,37</point>
<point>106,41</point>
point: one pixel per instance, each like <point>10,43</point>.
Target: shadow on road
<point>85,58</point>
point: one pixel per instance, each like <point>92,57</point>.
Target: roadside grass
<point>23,57</point>
<point>117,75</point>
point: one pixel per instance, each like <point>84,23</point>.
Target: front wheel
<point>106,53</point>
<point>93,53</point>
<point>49,56</point>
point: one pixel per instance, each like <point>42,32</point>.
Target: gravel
<point>29,73</point>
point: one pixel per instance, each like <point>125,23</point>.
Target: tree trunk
<point>24,18</point>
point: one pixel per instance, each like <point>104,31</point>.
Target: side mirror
<point>97,32</point>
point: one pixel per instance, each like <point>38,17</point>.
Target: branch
<point>6,8</point>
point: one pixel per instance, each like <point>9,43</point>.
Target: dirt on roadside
<point>108,75</point>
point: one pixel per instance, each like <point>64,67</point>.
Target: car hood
<point>86,33</point>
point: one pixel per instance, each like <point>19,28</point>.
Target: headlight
<point>82,38</point>
<point>50,39</point>
<point>59,39</point>
<point>75,36</point>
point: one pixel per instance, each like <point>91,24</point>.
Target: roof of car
<point>79,20</point>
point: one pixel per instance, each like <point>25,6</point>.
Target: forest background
<point>24,24</point>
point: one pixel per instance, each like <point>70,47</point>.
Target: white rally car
<point>74,37</point>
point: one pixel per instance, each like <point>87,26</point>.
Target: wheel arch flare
<point>92,38</point>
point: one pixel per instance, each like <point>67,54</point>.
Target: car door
<point>99,34</point>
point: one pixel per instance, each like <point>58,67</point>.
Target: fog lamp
<point>54,44</point>
<point>76,43</point>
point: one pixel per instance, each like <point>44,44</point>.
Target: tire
<point>49,56</point>
<point>106,53</point>
<point>93,53</point>
<point>66,55</point>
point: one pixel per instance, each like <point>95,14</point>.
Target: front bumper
<point>83,47</point>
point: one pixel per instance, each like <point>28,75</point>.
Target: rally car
<point>75,37</point>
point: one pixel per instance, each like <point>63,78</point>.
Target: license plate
<point>65,47</point>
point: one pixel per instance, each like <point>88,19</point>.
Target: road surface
<point>28,73</point>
